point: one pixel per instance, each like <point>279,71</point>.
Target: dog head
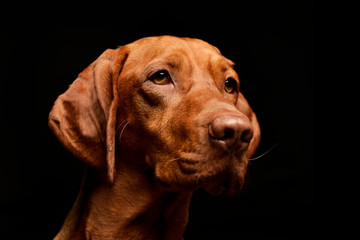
<point>174,101</point>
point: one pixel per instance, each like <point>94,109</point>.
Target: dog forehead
<point>167,42</point>
<point>176,51</point>
<point>165,46</point>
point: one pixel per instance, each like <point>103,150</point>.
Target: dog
<point>154,121</point>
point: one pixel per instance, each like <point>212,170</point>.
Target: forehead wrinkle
<point>219,65</point>
<point>175,54</point>
<point>204,51</point>
<point>178,59</point>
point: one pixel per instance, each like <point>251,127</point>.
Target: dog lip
<point>193,156</point>
<point>188,166</point>
<point>189,161</point>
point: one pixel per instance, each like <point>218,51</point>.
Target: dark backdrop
<point>46,46</point>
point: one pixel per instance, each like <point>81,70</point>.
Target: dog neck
<point>134,207</point>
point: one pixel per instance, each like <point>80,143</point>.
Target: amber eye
<point>160,78</point>
<point>230,85</point>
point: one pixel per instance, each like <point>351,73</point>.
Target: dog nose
<point>231,132</point>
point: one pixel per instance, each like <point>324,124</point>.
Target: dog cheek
<point>165,173</point>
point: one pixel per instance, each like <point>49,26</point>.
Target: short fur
<point>149,146</point>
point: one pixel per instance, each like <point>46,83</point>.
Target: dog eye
<point>230,85</point>
<point>160,78</point>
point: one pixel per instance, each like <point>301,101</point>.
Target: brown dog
<point>155,119</point>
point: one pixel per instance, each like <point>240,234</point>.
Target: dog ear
<point>84,117</point>
<point>244,107</point>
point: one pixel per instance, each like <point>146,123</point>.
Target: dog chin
<point>225,176</point>
<point>228,182</point>
<point>230,186</point>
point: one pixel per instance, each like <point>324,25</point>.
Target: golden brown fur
<point>150,145</point>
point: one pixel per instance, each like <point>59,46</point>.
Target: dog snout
<point>231,133</point>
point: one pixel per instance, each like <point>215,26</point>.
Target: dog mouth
<point>216,176</point>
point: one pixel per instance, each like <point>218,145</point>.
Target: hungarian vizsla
<point>154,120</point>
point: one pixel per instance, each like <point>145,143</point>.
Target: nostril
<point>228,133</point>
<point>247,135</point>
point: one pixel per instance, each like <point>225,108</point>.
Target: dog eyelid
<point>231,85</point>
<point>161,77</point>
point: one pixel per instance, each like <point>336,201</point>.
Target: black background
<point>47,45</point>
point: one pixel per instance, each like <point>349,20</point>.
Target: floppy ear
<point>84,117</point>
<point>244,107</point>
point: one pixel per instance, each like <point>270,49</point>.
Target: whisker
<point>173,160</point>
<point>266,152</point>
<point>197,179</point>
<point>122,131</point>
<point>117,129</point>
